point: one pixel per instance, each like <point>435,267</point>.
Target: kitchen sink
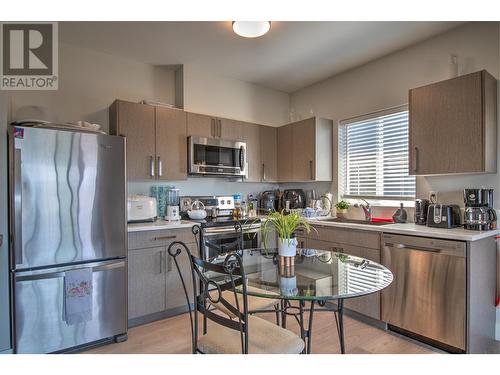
<point>356,221</point>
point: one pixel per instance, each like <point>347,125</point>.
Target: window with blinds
<point>373,156</point>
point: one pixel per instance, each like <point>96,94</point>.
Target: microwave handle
<point>242,158</point>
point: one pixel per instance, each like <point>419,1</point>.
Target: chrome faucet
<point>367,208</point>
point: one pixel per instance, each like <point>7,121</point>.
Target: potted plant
<point>285,226</point>
<point>342,207</point>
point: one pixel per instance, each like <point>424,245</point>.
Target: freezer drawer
<point>428,295</point>
<point>39,299</point>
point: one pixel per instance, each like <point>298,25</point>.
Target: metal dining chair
<point>256,304</point>
<point>242,334</point>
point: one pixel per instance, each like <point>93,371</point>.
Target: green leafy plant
<point>342,205</point>
<point>284,225</point>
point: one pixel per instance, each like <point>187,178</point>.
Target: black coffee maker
<point>479,212</point>
<point>421,207</point>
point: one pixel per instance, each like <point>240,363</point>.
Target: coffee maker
<point>479,212</point>
<point>421,208</point>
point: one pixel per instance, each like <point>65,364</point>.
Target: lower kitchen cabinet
<point>347,241</point>
<point>175,297</point>
<point>146,282</point>
<point>154,287</point>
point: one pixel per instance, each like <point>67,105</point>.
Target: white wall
<point>231,98</point>
<point>89,81</point>
<point>385,82</point>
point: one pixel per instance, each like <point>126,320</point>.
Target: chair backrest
<point>204,243</point>
<point>210,280</point>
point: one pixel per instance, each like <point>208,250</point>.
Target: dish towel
<point>78,296</point>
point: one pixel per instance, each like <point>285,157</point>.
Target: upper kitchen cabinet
<point>453,125</point>
<point>213,127</point>
<point>171,145</point>
<point>305,151</point>
<point>268,143</point>
<point>136,122</point>
<point>201,125</point>
<point>156,140</point>
<point>285,153</point>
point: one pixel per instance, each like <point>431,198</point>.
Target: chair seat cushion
<point>254,303</point>
<point>263,338</point>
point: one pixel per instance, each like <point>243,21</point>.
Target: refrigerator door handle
<point>18,209</point>
<point>60,271</point>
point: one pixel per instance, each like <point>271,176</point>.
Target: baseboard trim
<point>156,316</point>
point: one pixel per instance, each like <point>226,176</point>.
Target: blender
<point>172,203</point>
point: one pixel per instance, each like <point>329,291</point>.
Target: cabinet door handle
<point>161,261</point>
<point>415,161</point>
<point>311,169</point>
<point>169,264</point>
<point>162,238</point>
<point>263,172</point>
<point>160,167</point>
<point>151,166</point>
<point>212,127</point>
<point>220,128</point>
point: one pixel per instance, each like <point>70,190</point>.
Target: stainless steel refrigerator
<point>67,212</point>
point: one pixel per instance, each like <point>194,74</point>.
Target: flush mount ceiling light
<point>251,29</point>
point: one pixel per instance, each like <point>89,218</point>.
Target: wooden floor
<point>173,336</point>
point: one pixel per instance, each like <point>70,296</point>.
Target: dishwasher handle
<point>412,247</point>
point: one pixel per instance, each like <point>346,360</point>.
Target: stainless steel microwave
<point>217,157</point>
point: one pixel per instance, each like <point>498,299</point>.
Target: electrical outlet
<point>433,196</point>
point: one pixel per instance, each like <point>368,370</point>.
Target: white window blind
<point>373,156</point>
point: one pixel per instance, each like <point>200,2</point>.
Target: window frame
<point>342,156</point>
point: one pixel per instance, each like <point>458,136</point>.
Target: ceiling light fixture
<point>251,29</point>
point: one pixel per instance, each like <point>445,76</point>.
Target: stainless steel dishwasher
<point>428,294</point>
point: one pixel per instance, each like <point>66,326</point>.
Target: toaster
<point>141,208</point>
<point>443,215</point>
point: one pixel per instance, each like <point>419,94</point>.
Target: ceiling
<point>291,56</point>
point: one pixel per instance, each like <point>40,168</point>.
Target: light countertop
<point>412,229</point>
<point>159,224</point>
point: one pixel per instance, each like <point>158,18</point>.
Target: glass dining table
<point>315,277</point>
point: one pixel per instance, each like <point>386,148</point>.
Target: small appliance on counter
<point>443,215</point>
<point>479,213</point>
<point>141,208</point>
<point>421,208</point>
<point>172,202</point>
<point>293,199</point>
<point>268,201</point>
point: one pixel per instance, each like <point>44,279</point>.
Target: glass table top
<point>316,275</point>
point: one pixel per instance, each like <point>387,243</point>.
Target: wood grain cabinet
<point>213,127</point>
<point>136,122</point>
<point>146,282</point>
<point>452,126</point>
<point>268,143</point>
<point>156,140</point>
<point>353,242</point>
<point>154,287</point>
<point>305,151</point>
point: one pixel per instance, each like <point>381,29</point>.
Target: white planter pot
<point>287,248</point>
